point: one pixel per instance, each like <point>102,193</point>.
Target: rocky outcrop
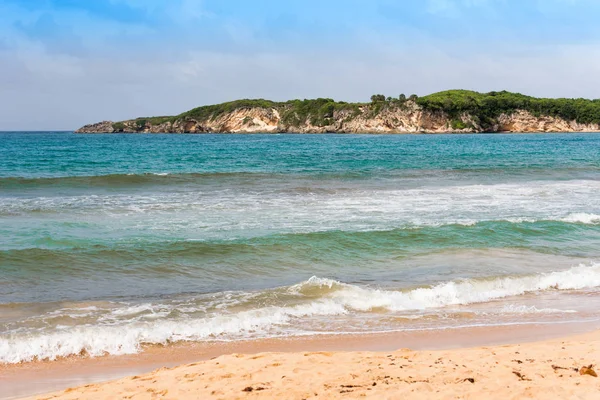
<point>104,127</point>
<point>524,121</point>
<point>407,117</point>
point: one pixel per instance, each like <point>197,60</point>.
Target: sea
<point>112,243</point>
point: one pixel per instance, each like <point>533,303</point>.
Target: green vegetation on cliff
<point>483,107</point>
<point>214,111</point>
<point>318,112</point>
<point>463,110</point>
<point>488,106</point>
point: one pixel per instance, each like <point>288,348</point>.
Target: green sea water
<point>111,242</point>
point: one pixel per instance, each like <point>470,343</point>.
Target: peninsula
<point>454,111</point>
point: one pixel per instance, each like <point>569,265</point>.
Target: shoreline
<point>425,133</point>
<point>439,112</point>
<point>22,380</point>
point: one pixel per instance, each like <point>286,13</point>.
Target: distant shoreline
<point>454,111</point>
<point>449,133</point>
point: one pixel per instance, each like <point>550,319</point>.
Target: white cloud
<point>42,86</point>
<point>52,92</point>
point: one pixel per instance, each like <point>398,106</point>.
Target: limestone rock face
<point>406,118</point>
<point>104,127</point>
<point>249,121</point>
<point>523,121</point>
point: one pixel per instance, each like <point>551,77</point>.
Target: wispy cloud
<point>66,62</point>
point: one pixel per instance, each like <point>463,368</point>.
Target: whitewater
<point>113,243</point>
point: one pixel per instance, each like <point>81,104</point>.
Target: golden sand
<point>543,370</point>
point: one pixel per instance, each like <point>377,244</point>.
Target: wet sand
<point>18,381</point>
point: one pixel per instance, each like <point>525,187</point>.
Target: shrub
<point>486,107</point>
<point>458,124</point>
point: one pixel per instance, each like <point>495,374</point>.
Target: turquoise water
<point>111,242</point>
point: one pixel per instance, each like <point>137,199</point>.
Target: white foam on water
<point>239,213</point>
<point>522,309</point>
<point>323,297</point>
<point>460,292</point>
<point>96,340</point>
<point>583,218</point>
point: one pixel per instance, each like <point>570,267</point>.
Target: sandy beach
<point>303,200</point>
<point>287,266</point>
<point>543,370</point>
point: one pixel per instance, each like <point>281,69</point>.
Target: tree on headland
<point>378,98</point>
<point>413,97</point>
<point>402,97</point>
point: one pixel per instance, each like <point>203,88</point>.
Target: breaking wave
<point>251,316</point>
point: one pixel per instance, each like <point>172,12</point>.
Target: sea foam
<point>322,297</point>
<point>464,292</point>
<point>582,218</point>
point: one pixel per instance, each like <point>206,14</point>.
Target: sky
<point>65,63</point>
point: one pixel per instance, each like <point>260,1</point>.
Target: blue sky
<point>64,63</point>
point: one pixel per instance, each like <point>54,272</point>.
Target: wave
<point>153,256</point>
<point>582,218</point>
<point>573,218</point>
<point>286,314</point>
<point>375,176</point>
<point>465,292</point>
<point>230,211</point>
<point>169,178</point>
<point>116,180</point>
<point>84,254</point>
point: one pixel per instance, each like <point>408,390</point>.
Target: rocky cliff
<point>524,121</point>
<point>327,116</point>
